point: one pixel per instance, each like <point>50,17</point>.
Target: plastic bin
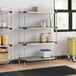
<point>72,47</point>
<point>3,49</point>
<point>45,53</point>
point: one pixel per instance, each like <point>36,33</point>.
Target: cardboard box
<point>3,57</point>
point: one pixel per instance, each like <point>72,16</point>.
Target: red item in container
<point>48,33</point>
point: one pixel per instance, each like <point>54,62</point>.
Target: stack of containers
<point>3,50</point>
<point>45,52</point>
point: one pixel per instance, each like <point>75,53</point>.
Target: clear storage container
<point>45,53</point>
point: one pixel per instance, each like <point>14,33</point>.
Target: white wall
<point>59,49</point>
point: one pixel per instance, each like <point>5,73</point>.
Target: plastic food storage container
<point>43,23</point>
<point>45,53</point>
<point>4,49</point>
<point>42,38</point>
<point>49,37</point>
<point>4,40</point>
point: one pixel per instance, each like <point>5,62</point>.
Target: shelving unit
<point>36,58</point>
<point>7,28</point>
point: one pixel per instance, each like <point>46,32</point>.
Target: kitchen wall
<point>34,19</point>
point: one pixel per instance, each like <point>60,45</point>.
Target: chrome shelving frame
<point>35,43</point>
<point>8,29</point>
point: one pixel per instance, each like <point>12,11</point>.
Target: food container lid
<point>48,33</point>
<point>45,50</point>
<point>41,33</point>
